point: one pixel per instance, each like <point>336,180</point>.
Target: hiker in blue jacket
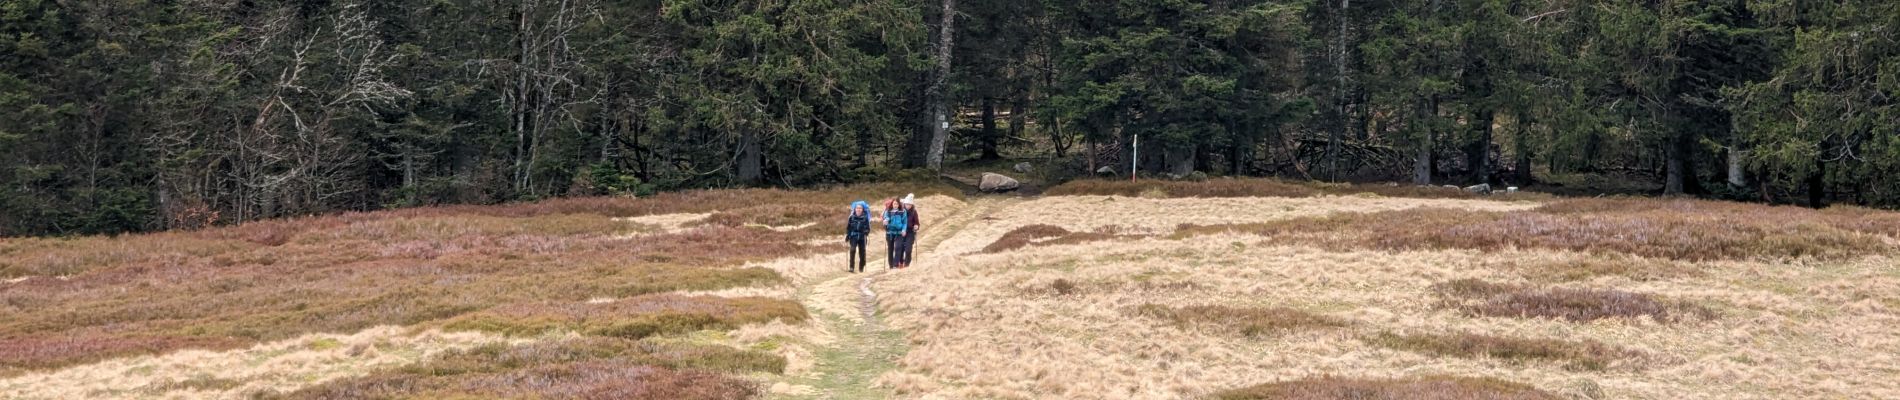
<point>896,224</point>
<point>856,230</point>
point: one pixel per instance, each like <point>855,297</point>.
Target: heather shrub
<point>31,352</point>
<point>1049,235</point>
<point>1418,388</point>
<point>1244,321</point>
<point>1022,237</point>
<point>777,215</point>
<point>1657,229</point>
<point>631,318</point>
<point>1572,304</point>
<point>499,357</point>
<point>273,280</point>
<point>1268,187</point>
<point>1585,268</point>
<point>594,379</point>
<point>1160,188</point>
<point>1588,355</point>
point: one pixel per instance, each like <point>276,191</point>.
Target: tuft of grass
<point>1245,321</point>
<point>1587,355</point>
<point>632,318</point>
<point>195,383</point>
<point>1576,305</point>
<point>1417,388</point>
<point>1063,287</point>
<point>1475,288</point>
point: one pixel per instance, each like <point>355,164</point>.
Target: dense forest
<point>127,115</point>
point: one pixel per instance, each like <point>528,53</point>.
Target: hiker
<point>911,225</point>
<point>856,230</point>
<point>895,225</point>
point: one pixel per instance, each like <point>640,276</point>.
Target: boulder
<point>1105,170</point>
<point>1024,167</point>
<point>997,183</point>
<point>1482,188</point>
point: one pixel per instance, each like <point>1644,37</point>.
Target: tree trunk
<point>750,165</point>
<point>1675,165</point>
<point>1179,160</point>
<point>1239,157</point>
<point>1422,164</point>
<point>1736,156</point>
<point>1094,153</point>
<point>1478,154</point>
<point>1521,173</point>
<point>520,105</point>
<point>1817,185</point>
<point>1017,108</point>
<point>989,130</point>
<point>939,85</point>
<point>1341,116</point>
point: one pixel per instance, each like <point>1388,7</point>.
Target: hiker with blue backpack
<point>896,226</point>
<point>857,229</point>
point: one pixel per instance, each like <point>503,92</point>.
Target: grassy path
<point>865,348</point>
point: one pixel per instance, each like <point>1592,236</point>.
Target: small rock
<point>1482,188</point>
<point>1105,170</point>
<point>997,183</point>
<point>1197,176</point>
<point>1024,167</point>
<point>1452,187</point>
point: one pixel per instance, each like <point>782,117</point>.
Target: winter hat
<point>910,199</point>
<point>860,203</point>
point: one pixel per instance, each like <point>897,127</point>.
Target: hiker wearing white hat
<point>912,224</point>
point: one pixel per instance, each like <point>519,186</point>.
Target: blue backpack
<point>895,222</point>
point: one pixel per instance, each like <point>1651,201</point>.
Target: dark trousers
<point>856,258</point>
<point>904,250</point>
<point>893,247</point>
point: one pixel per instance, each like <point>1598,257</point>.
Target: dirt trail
<point>848,368</point>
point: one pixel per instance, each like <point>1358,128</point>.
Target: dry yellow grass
<point>280,366</point>
<point>996,326</point>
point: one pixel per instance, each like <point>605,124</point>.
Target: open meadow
<point>1226,289</point>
